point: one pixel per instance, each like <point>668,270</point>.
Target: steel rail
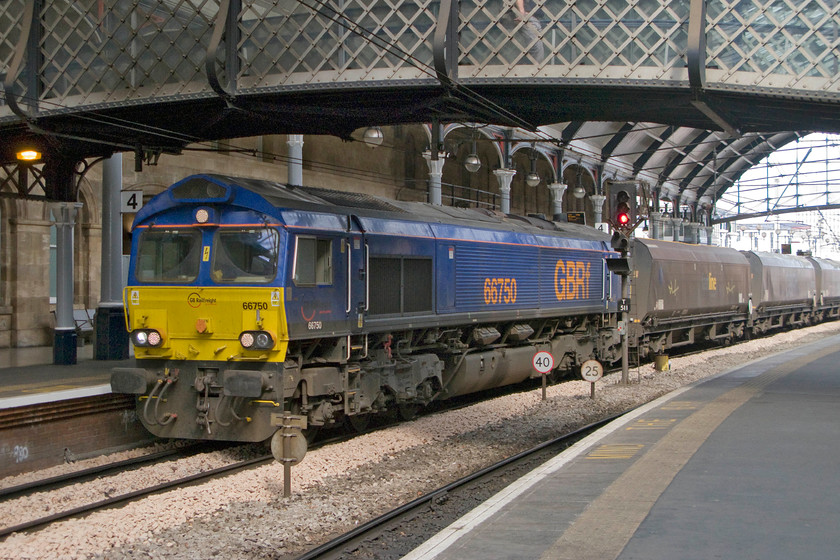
<point>129,496</point>
<point>337,545</point>
<point>83,475</point>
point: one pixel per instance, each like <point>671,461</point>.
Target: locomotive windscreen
<point>168,256</point>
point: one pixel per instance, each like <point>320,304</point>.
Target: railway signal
<point>623,207</point>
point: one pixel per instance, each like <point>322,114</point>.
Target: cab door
<point>356,259</point>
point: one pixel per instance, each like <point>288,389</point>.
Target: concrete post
<point>435,175</point>
<point>557,191</point>
<point>110,335</point>
<point>295,143</point>
<point>63,215</point>
<point>505,176</point>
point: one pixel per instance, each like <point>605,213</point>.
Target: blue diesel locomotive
<point>248,300</point>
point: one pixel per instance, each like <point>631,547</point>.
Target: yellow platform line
<point>637,490</point>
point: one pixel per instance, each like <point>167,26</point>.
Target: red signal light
<point>623,219</point>
<point>622,213</point>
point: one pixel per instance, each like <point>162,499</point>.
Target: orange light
<point>28,155</point>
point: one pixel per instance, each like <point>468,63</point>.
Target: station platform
<point>53,414</point>
<point>28,376</point>
<point>743,465</point>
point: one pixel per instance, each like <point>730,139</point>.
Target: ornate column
<point>64,345</point>
<point>295,143</point>
<point>435,174</point>
<point>505,176</point>
<point>692,233</point>
<point>598,206</point>
<point>656,225</point>
<point>557,190</point>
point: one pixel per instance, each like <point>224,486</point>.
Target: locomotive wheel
<point>407,411</point>
<point>311,432</point>
<point>357,422</point>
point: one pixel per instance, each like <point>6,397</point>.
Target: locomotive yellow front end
<point>210,360</point>
<point>206,314</point>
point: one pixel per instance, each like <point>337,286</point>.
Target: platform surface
<point>743,465</point>
<point>28,376</point>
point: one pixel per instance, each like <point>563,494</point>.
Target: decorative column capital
<point>435,165</point>
<point>558,189</point>
<point>294,140</point>
<point>597,201</point>
<point>504,176</point>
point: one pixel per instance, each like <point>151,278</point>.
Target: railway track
<point>84,475</point>
<point>129,496</point>
<point>124,466</point>
<point>369,540</point>
<point>117,468</point>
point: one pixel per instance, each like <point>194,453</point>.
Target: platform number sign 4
<point>543,362</point>
<point>131,201</point>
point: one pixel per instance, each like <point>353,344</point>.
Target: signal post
<point>623,219</point>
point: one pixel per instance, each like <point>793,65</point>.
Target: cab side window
<point>313,262</point>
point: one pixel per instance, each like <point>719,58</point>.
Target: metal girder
<point>610,146</point>
<point>678,159</point>
<point>648,152</point>
<point>160,74</point>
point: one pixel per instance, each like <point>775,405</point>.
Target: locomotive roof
<point>281,196</point>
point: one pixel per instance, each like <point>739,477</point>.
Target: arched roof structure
<point>683,94</point>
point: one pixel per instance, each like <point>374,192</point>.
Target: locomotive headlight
<point>263,340</point>
<point>202,215</point>
<point>146,338</point>
<point>260,340</point>
<point>153,338</point>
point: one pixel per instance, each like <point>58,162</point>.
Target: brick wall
<point>41,436</point>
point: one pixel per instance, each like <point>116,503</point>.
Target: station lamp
<point>28,155</point>
<point>373,136</point>
<point>533,178</point>
<point>473,162</point>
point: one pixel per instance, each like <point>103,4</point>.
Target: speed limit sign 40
<point>543,362</point>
